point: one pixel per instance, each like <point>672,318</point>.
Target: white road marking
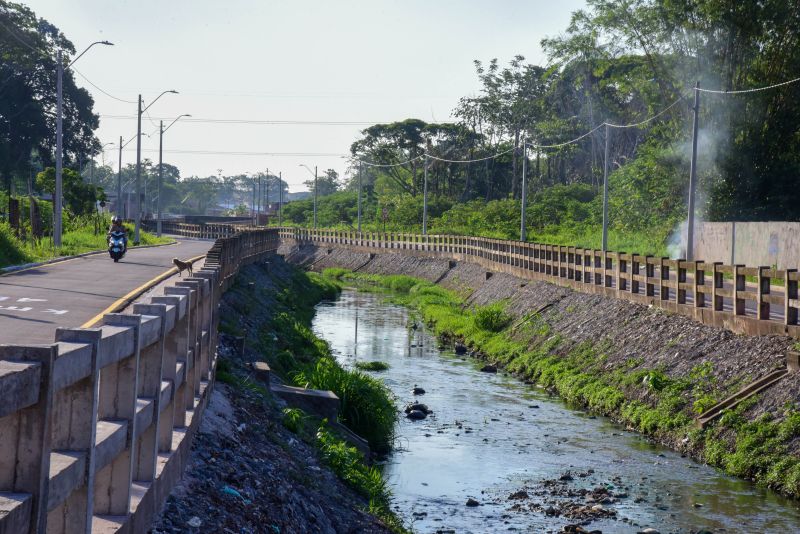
<point>25,299</point>
<point>56,312</point>
<point>3,298</point>
<point>15,308</point>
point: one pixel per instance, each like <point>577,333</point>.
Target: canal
<point>530,462</point>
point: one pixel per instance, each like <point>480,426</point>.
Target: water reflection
<point>491,435</point>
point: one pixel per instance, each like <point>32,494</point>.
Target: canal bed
<point>492,436</point>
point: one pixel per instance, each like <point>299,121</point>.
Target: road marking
<point>25,299</point>
<point>15,308</point>
<point>122,302</point>
<point>3,298</point>
<point>56,312</point>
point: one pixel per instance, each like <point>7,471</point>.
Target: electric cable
<point>101,90</point>
<point>742,91</point>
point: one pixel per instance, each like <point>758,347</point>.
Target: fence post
<point>764,281</point>
<point>699,281</point>
<point>790,298</point>
<point>739,284</point>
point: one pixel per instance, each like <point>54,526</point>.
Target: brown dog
<point>182,266</point>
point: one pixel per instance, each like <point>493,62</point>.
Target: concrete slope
<point>34,302</point>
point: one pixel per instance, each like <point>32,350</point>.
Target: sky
<point>346,61</point>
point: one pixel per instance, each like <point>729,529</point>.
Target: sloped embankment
<point>651,370</point>
<point>248,473</point>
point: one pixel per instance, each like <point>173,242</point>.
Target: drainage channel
<point>526,461</point>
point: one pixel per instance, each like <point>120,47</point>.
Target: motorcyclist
<point>116,226</point>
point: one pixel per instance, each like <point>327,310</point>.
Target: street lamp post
<point>140,111</point>
<point>161,131</point>
<point>315,191</point>
<point>360,171</point>
<point>58,201</point>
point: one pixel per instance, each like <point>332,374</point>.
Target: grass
<point>372,366</point>
<point>15,251</point>
<point>645,399</point>
<point>284,339</point>
<point>293,352</point>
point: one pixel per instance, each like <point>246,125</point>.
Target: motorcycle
<point>117,245</point>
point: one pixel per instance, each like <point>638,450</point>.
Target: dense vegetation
<point>528,347</point>
<point>619,62</point>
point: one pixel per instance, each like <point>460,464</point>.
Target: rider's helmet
<point>115,220</point>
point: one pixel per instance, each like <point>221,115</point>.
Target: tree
<point>327,183</point>
<point>28,48</point>
<point>80,198</point>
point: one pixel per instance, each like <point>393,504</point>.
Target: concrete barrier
<point>95,428</point>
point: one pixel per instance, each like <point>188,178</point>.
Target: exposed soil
<point>248,474</point>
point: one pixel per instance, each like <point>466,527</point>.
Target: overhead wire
<point>101,90</point>
<point>255,121</point>
<point>742,91</point>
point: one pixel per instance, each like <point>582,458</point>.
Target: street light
<point>160,151</point>
<point>57,205</point>
<point>315,191</point>
<point>139,162</point>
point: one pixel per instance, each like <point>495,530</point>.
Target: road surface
<point>35,301</point>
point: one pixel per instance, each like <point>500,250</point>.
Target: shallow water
<point>492,435</point>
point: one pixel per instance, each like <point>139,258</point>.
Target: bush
<point>492,318</point>
<point>366,405</point>
<point>372,366</point>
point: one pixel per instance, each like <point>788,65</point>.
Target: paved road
<point>36,301</point>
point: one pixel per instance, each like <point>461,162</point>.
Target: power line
<point>635,124</point>
<point>242,153</point>
<point>742,91</point>
<point>255,121</point>
<point>101,90</point>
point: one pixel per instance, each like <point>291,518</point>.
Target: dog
<point>182,266</point>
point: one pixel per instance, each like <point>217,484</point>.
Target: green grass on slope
<point>759,450</point>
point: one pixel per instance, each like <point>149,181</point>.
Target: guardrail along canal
<point>530,462</point>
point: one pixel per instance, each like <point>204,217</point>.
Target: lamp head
<point>107,43</point>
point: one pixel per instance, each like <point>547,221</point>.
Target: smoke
<point>710,141</point>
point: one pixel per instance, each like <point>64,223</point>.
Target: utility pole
<point>253,205</point>
<point>160,175</point>
<point>57,216</point>
<point>425,197</point>
<point>315,197</point>
<point>693,176</point>
<point>138,203</point>
<point>360,171</point>
<point>266,201</point>
<point>119,180</point>
<point>523,236</point>
<point>280,197</point>
<point>605,193</point>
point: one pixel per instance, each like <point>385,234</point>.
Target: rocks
<point>418,391</point>
<point>416,415</point>
<point>460,348</point>
<point>195,522</point>
<point>489,368</point>
<point>472,503</point>
<point>648,531</point>
<point>418,406</point>
<point>566,477</point>
<point>518,495</point>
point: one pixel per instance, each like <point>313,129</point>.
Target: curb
<point>126,300</point>
<point>16,268</point>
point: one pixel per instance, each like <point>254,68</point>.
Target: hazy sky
<point>347,61</point>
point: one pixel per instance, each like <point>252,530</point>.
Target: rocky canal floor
<point>247,474</point>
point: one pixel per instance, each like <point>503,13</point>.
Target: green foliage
<point>366,405</point>
<point>492,318</point>
<point>372,366</point>
<point>293,419</point>
<point>348,464</point>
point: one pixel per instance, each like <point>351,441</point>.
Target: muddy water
<point>491,436</point>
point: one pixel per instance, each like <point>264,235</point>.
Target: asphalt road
<point>35,301</point>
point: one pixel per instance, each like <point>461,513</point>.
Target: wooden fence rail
<point>96,427</point>
<point>749,300</point>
